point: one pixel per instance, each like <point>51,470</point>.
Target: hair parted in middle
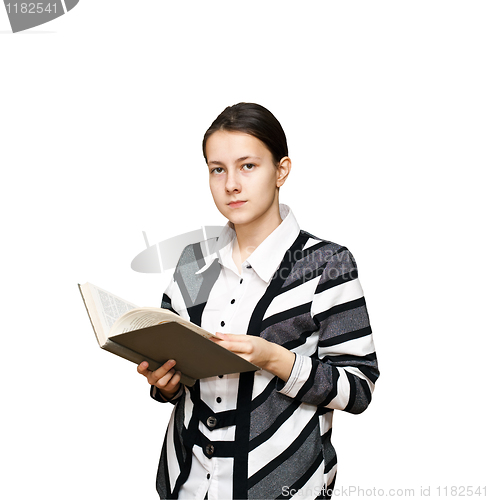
<point>255,120</point>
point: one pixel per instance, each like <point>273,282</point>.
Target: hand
<point>267,355</point>
<point>165,378</point>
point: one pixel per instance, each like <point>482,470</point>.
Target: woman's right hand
<point>165,378</point>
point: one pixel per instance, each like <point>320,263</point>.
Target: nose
<point>232,182</point>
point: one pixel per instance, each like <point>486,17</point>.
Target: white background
<point>386,107</point>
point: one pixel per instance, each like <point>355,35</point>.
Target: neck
<point>249,236</point>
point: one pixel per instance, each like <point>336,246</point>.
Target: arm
<point>342,373</point>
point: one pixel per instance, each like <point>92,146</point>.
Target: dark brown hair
<point>255,120</point>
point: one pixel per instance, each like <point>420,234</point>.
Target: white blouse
<point>228,310</point>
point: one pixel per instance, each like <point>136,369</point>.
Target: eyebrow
<point>238,160</point>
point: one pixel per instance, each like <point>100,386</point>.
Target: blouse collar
<point>267,257</point>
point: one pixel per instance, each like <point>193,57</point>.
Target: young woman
<point>284,300</point>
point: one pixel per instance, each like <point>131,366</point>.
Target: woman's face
<point>243,179</point>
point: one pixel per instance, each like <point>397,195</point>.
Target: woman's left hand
<point>260,352</point>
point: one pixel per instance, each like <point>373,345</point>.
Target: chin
<point>236,219</point>
<point>233,218</point>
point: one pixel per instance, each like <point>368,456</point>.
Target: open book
<point>156,335</point>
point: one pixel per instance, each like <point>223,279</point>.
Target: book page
<point>144,317</point>
<point>109,308</point>
<point>135,320</point>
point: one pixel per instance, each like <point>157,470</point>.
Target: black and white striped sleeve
<point>342,372</point>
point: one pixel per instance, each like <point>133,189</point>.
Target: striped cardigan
<point>313,306</point>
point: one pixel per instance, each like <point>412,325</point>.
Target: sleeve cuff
<point>299,375</point>
<point>158,396</point>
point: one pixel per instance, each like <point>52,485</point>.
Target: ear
<point>283,170</point>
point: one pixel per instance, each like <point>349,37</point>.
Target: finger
<point>163,370</point>
<point>174,381</point>
<point>237,346</point>
<point>143,368</point>
<point>232,337</point>
<point>163,382</point>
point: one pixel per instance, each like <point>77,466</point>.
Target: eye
<point>248,167</point>
<point>216,170</point>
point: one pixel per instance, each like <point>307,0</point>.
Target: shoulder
<point>333,262</point>
<point>324,250</point>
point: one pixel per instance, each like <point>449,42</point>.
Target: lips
<point>236,204</point>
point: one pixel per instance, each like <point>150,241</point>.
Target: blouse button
<point>222,323</point>
<point>233,301</point>
<point>211,422</point>
<point>208,476</point>
<point>241,281</point>
<point>218,399</point>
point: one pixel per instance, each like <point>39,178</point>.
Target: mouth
<point>236,204</point>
